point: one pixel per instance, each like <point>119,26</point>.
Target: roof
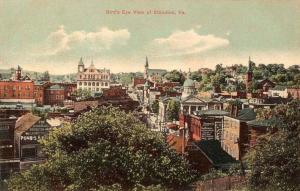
<point>213,150</point>
<point>188,83</point>
<point>264,123</point>
<point>279,87</point>
<point>247,114</point>
<point>156,71</point>
<point>25,122</point>
<point>211,112</point>
<point>56,87</point>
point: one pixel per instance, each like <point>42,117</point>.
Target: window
<point>93,84</point>
<point>106,84</point>
<point>89,83</point>
<point>85,83</point>
<point>97,84</point>
<point>80,83</point>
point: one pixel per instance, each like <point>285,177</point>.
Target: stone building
<point>91,78</point>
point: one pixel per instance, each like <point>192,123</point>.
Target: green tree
<point>175,76</point>
<point>275,160</point>
<point>173,108</point>
<point>104,148</point>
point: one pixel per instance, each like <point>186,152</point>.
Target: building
<point>153,75</point>
<point>207,154</point>
<point>54,95</point>
<point>18,90</point>
<point>235,139</point>
<point>91,78</point>
<point>39,92</point>
<point>278,91</point>
<point>188,87</point>
<point>28,130</point>
<point>204,124</point>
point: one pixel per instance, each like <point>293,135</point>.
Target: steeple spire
<point>92,62</point>
<point>147,64</point>
<point>80,62</point>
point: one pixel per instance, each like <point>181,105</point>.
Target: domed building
<point>188,87</point>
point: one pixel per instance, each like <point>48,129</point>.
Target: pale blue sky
<point>52,35</point>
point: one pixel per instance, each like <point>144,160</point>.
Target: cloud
<point>60,41</point>
<point>187,42</point>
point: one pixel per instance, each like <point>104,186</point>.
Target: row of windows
<point>93,76</point>
<point>97,89</point>
<point>93,83</point>
<point>15,87</point>
<point>15,95</point>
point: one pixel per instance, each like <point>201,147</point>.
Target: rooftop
<point>214,151</point>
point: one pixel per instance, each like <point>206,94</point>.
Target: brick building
<point>235,139</point>
<point>54,95</point>
<point>16,90</point>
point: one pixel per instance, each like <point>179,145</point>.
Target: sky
<point>52,35</point>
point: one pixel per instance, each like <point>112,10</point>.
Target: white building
<point>91,78</point>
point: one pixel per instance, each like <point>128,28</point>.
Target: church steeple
<point>146,69</point>
<point>147,64</point>
<point>80,65</point>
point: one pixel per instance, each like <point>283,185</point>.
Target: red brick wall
<point>54,97</point>
<point>16,90</point>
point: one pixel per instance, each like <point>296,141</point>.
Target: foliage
<point>175,76</point>
<point>104,148</point>
<point>41,113</point>
<point>173,108</point>
<point>155,106</point>
<point>82,94</point>
<point>275,160</point>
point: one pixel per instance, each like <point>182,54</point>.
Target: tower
<point>146,68</point>
<point>249,74</point>
<point>18,73</point>
<point>80,65</point>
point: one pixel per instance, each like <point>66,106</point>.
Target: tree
<point>82,94</point>
<point>275,160</point>
<point>175,76</point>
<point>173,109</point>
<point>155,106</point>
<point>104,148</point>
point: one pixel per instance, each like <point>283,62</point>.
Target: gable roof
<point>25,122</point>
<point>192,97</point>
<point>214,152</point>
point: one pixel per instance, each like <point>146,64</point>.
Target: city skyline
<point>207,34</point>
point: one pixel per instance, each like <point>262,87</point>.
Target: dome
<point>188,83</point>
